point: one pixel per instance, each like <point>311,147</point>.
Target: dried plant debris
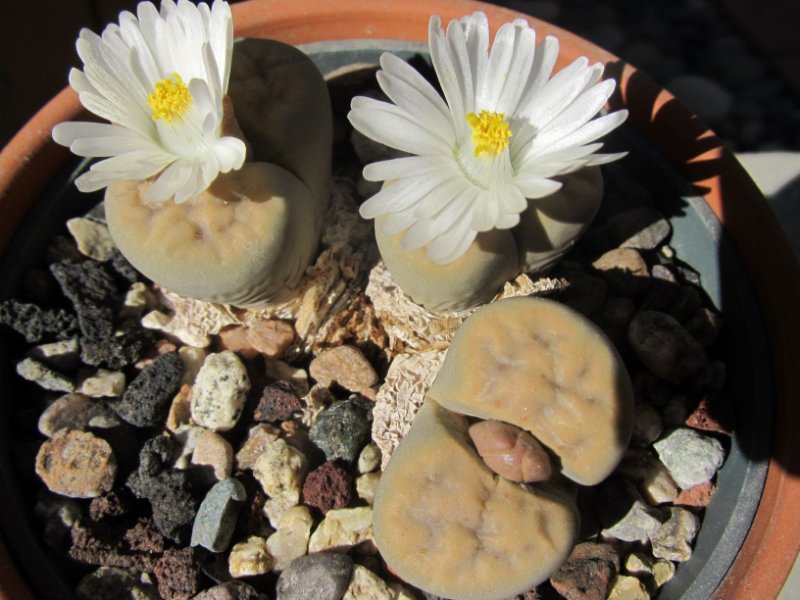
<point>233,452</point>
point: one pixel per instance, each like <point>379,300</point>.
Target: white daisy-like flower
<point>160,79</point>
<point>504,128</point>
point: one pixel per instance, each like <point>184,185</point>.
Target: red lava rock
<point>108,505</point>
<point>278,402</point>
<point>714,414</point>
<point>103,547</point>
<point>588,573</point>
<point>326,487</point>
<point>144,536</point>
<point>178,574</point>
<point>699,495</point>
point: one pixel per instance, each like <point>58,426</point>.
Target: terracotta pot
<point>770,545</point>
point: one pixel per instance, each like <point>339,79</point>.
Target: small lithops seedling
<point>547,369</point>
<point>447,524</point>
<point>441,509</point>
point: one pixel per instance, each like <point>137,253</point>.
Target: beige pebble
<point>510,451</point>
<point>250,558</point>
<point>193,358</point>
<point>628,588</point>
<point>290,540</point>
<point>344,365</point>
<point>92,237</point>
<point>369,459</point>
<point>180,411</point>
<point>366,485</point>
<point>270,337</point>
<point>663,571</point>
<point>281,469</point>
<point>624,270</point>
<point>103,384</point>
<point>76,464</point>
<point>213,457</point>
<point>186,437</point>
<point>366,585</point>
<point>342,528</point>
<point>234,338</point>
<point>258,438</point>
<point>138,299</point>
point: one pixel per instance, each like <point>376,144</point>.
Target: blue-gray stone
<point>216,518</point>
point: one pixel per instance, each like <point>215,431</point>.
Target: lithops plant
<point>488,156</point>
<point>518,364</point>
<point>547,369</point>
<point>447,524</point>
<point>220,154</point>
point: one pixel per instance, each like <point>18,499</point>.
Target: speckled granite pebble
<point>220,391</point>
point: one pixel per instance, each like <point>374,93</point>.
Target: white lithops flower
<point>160,79</point>
<point>504,128</point>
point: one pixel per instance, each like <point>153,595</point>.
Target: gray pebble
<point>642,228</point>
<point>341,430</point>
<point>624,514</point>
<point>321,576</point>
<point>664,346</point>
<point>231,590</point>
<point>76,411</point>
<point>216,517</point>
<point>690,457</point>
<point>647,425</point>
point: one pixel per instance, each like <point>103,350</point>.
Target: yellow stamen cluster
<point>490,132</point>
<point>170,99</point>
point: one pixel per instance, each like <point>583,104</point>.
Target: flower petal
<point>398,195</point>
<point>452,244</point>
<point>394,127</point>
<point>447,72</point>
<point>407,166</point>
<point>534,186</point>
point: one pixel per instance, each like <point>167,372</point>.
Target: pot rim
<point>32,158</point>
